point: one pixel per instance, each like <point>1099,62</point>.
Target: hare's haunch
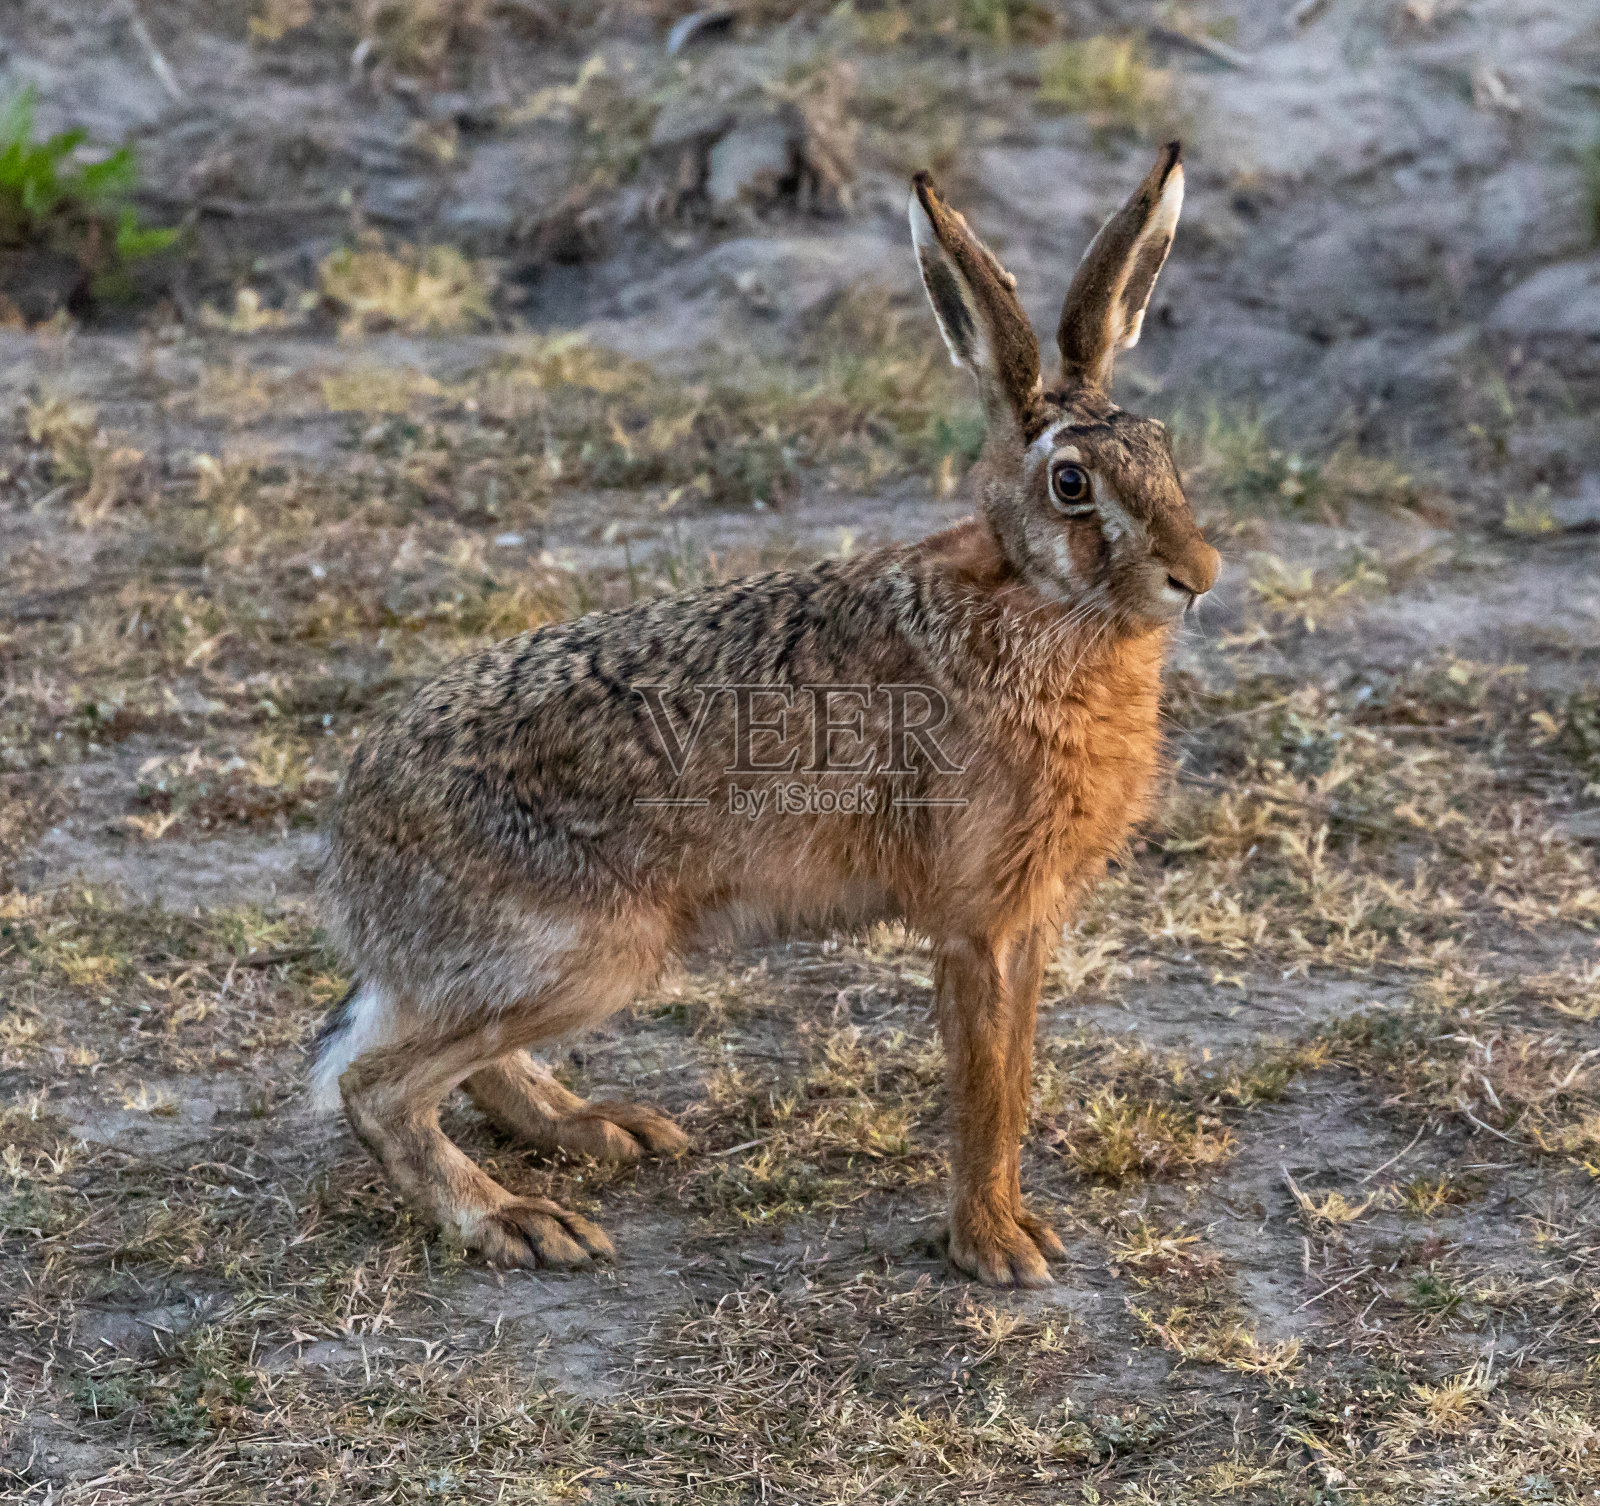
<point>955,734</point>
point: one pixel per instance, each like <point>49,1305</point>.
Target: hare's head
<point>1085,499</point>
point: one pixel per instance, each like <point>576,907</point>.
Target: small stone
<point>750,162</point>
<point>1581,512</point>
<point>1581,826</point>
<point>682,121</point>
<point>1559,300</point>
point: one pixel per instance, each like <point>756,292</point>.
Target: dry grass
<point>1108,79</point>
<point>1214,1340</point>
<point>1318,1098</point>
<point>94,472</point>
<point>1233,460</point>
<point>1292,594</point>
<point>276,781</point>
<point>1158,1255</point>
<point>1332,1210</point>
<point>1112,1140</point>
<point>995,22</point>
<point>1332,834</point>
<point>823,1350</point>
<point>413,36</point>
<point>430,291</point>
<point>1449,1055</point>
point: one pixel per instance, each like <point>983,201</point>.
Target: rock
<point>1581,826</point>
<point>1559,300</point>
<point>468,112</point>
<point>1579,514</point>
<point>37,283</point>
<point>777,279</point>
<point>697,26</point>
<point>751,161</point>
<point>683,122</point>
<point>1526,203</point>
<point>1045,186</point>
<point>754,150</point>
<point>485,196</point>
<point>798,275</point>
<point>1239,357</point>
<point>397,200</point>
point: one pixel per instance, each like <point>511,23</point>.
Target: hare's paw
<point>522,1100</point>
<point>1000,1247</point>
<point>619,1132</point>
<point>1043,1236</point>
<point>534,1232</point>
<point>629,1131</point>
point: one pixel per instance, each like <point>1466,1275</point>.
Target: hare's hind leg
<point>520,1097</point>
<point>392,1097</point>
<point>569,974</point>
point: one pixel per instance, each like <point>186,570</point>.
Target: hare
<point>955,734</point>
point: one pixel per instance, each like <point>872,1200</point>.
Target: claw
<point>651,1133</point>
<point>535,1233</point>
<point>1003,1250</point>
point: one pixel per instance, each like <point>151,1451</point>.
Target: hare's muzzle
<point>1196,571</point>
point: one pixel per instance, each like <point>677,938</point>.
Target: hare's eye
<point>1071,491</point>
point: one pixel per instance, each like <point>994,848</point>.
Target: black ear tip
<point>1171,155</point>
<point>922,185</point>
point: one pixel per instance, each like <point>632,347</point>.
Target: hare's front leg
<point>392,1097</point>
<point>520,1097</point>
<point>988,996</point>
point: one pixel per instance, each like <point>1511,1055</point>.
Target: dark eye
<point>1071,490</point>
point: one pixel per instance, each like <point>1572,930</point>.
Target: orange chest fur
<point>1090,768</point>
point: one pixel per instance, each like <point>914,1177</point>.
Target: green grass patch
<point>1233,459</point>
<point>84,209</point>
<point>1108,79</point>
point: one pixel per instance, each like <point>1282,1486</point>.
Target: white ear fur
<point>1148,256</point>
<point>954,305</point>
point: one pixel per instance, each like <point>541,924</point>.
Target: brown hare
<point>954,734</point>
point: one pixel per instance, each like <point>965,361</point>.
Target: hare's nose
<point>1196,573</point>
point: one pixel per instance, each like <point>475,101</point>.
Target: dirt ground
<point>490,313</point>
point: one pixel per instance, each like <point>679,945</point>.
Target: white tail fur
<point>364,1021</point>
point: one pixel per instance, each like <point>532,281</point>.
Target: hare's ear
<point>975,300</point>
<point>1111,288</point>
